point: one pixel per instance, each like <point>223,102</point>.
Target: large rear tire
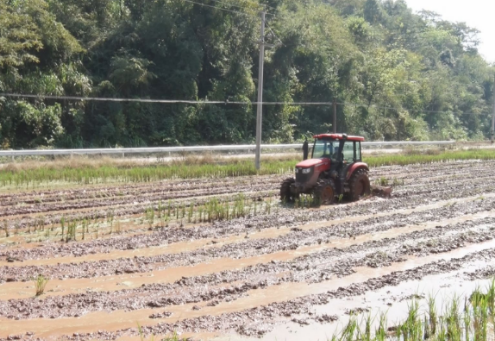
<point>286,195</point>
<point>359,185</point>
<point>324,192</point>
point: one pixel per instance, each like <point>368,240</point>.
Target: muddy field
<point>210,259</point>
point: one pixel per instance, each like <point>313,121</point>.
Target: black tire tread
<point>319,190</point>
<point>360,174</point>
<point>285,194</point>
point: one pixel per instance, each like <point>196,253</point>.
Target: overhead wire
<point>221,9</point>
<point>244,7</point>
<point>227,102</point>
<point>274,34</point>
<point>228,4</point>
<point>158,101</point>
<point>227,10</point>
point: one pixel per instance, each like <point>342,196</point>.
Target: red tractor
<point>335,170</point>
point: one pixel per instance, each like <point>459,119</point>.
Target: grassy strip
<point>429,157</point>
<point>101,171</point>
<point>12,176</point>
<point>468,320</point>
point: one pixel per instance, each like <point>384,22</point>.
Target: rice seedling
<point>490,297</point>
<point>150,216</point>
<point>118,228</point>
<point>71,231</point>
<point>467,320</point>
<point>159,210</point>
<point>268,206</point>
<point>110,218</point>
<point>473,322</point>
<point>183,211</point>
<point>6,228</point>
<point>432,315</point>
<point>381,331</point>
<point>367,329</point>
<point>142,336</point>
<point>62,226</point>
<point>201,214</point>
<point>350,330</point>
<point>382,181</point>
<point>240,206</point>
<point>40,284</point>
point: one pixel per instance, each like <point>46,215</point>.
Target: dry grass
<point>81,162</point>
<point>74,163</point>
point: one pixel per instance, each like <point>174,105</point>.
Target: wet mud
<point>245,276</point>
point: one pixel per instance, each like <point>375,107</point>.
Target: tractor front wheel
<point>359,185</point>
<point>324,192</point>
<point>286,195</point>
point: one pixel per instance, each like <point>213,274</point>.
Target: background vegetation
<point>397,75</point>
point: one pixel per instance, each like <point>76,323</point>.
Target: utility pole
<point>259,114</point>
<point>334,117</point>
<point>493,116</point>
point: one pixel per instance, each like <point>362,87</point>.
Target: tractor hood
<point>309,163</point>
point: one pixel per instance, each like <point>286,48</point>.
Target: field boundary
<point>222,148</point>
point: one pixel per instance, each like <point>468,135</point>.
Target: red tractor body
<point>335,169</point>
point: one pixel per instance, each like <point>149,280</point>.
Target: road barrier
<point>226,148</point>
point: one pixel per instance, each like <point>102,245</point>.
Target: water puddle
<point>259,297</point>
<point>394,301</point>
<point>170,275</point>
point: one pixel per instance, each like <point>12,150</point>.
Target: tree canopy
<point>395,75</point>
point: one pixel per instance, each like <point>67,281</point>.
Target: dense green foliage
<point>397,75</point>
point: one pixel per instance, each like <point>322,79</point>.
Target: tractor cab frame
<point>335,169</point>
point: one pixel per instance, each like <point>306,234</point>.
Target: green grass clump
<point>473,321</point>
<point>40,283</point>
<point>421,158</point>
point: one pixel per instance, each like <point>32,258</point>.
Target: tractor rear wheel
<point>286,195</point>
<point>359,185</point>
<point>324,192</point>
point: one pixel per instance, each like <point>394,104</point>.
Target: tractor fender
<point>355,167</point>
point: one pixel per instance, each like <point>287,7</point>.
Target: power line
<point>225,9</point>
<point>145,100</point>
<point>221,9</point>
<point>227,4</point>
<point>242,7</point>
<point>273,33</point>
<point>176,101</point>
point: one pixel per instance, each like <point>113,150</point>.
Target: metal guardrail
<point>226,148</point>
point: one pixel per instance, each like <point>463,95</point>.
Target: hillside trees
<point>395,74</point>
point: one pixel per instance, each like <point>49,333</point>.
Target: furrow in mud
<point>310,268</point>
<point>220,229</point>
<point>243,276</point>
<point>330,236</point>
<point>286,302</point>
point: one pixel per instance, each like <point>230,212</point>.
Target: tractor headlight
<point>306,170</point>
